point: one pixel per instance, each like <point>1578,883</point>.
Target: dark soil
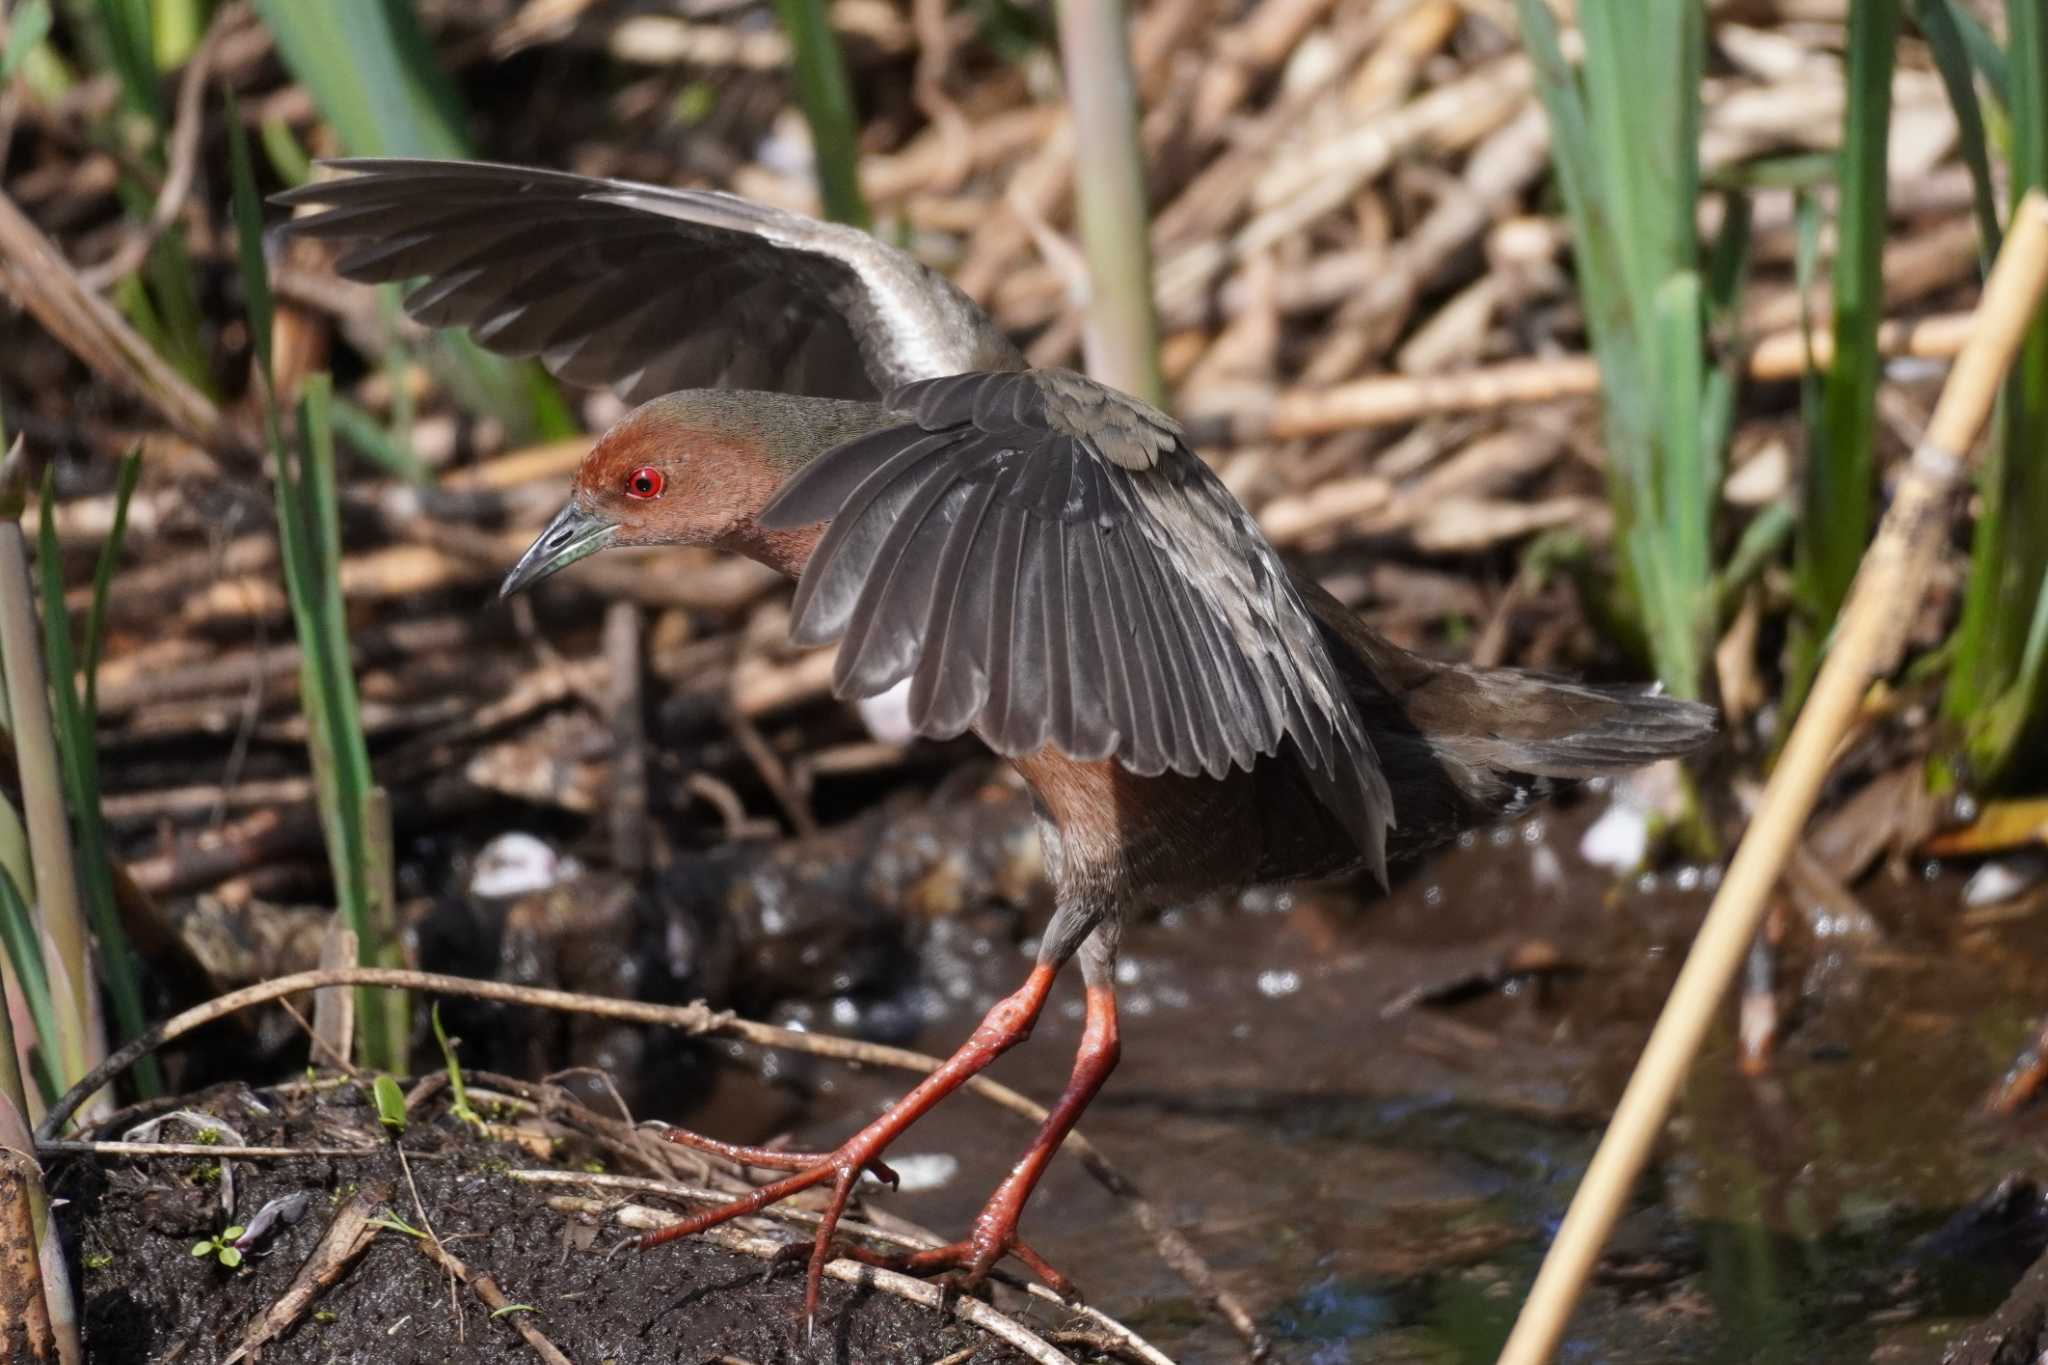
<point>132,1224</point>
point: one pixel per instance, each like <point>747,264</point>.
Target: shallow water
<point>1379,1186</point>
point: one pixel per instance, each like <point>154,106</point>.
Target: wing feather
<point>610,277</point>
<point>1046,590</point>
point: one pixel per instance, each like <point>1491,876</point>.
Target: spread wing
<point>648,290</point>
<point>1048,564</point>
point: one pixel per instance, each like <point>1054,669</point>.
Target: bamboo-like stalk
<point>25,1331</point>
<point>1110,197</point>
<point>1868,638</point>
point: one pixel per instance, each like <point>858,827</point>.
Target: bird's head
<point>688,468</point>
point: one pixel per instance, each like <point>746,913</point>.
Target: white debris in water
<point>887,714</point>
<point>923,1171</point>
<point>2004,878</point>
<point>1620,839</point>
<point>516,864</point>
<point>1279,983</point>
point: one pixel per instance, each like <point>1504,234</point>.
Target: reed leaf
<point>373,75</point>
<point>103,578</point>
<point>29,974</point>
<point>1941,23</point>
<point>78,755</point>
<point>1840,473</point>
<point>2001,707</point>
<point>127,31</point>
<point>1624,145</point>
<point>309,547</point>
<point>826,97</point>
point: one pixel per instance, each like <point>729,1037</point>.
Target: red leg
<point>995,1228</point>
<point>1006,1024</point>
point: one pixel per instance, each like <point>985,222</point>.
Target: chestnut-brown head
<point>689,468</point>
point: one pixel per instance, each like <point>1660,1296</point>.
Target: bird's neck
<point>786,550</point>
<point>784,433</point>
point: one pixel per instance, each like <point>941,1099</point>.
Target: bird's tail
<point>1467,744</point>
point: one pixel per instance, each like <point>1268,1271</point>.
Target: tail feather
<point>1511,725</point>
<point>1465,745</point>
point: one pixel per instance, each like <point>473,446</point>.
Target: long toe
<point>965,1264</point>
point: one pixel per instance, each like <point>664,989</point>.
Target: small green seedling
<point>391,1222</point>
<point>390,1104</point>
<point>221,1247</point>
<point>460,1106</point>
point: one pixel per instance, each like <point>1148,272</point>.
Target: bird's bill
<point>572,535</point>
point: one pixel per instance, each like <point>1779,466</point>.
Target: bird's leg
<point>1006,1024</point>
<point>995,1228</point>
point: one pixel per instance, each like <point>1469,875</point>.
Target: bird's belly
<point>1169,838</point>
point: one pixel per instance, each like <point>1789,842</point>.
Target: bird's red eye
<point>644,482</point>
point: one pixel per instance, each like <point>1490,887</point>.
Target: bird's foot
<point>841,1169</point>
<point>770,1158</point>
<point>965,1264</point>
<point>1008,1022</point>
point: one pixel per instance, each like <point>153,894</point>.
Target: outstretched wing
<point>1048,564</point>
<point>648,290</point>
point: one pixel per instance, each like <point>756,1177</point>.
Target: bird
<point>1041,558</point>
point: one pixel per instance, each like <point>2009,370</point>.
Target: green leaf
<point>372,72</point>
<point>390,1103</point>
<point>131,46</point>
<point>827,99</point>
<point>25,33</point>
<point>78,759</point>
<point>103,577</point>
<point>24,948</point>
<point>460,1107</point>
<point>391,1222</point>
<point>205,1248</point>
<point>230,1257</point>
<point>1940,23</point>
<point>1840,470</point>
<point>248,209</point>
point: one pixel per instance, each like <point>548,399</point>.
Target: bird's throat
<point>786,551</point>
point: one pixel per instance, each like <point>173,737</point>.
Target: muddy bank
<point>526,1267</point>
